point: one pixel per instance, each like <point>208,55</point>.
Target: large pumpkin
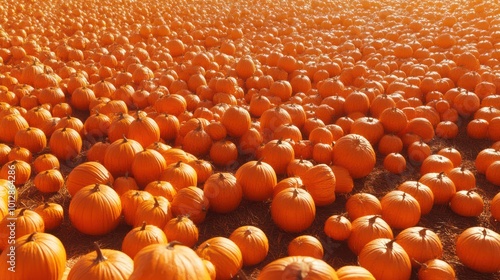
<point>400,210</point>
<point>253,244</point>
<point>170,261</point>
<point>355,153</point>
<point>365,229</point>
<point>478,248</point>
<point>421,244</point>
<point>102,264</point>
<point>26,222</point>
<point>223,192</point>
<point>183,230</point>
<point>191,201</point>
<point>38,255</point>
<point>385,259</point>
<point>95,210</point>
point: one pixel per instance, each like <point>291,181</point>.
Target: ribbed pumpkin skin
<point>253,244</point>
<point>478,248</point>
<point>355,153</point>
<point>320,182</point>
<point>43,257</point>
<point>353,272</point>
<point>102,264</point>
<point>293,210</point>
<point>257,179</point>
<point>140,237</point>
<point>223,192</point>
<point>85,174</point>
<point>170,261</point>
<point>421,244</point>
<point>385,259</point>
<point>298,267</point>
<point>436,269</point>
<point>95,210</point>
<point>365,229</point>
<point>224,254</point>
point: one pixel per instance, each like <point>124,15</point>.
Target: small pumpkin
<point>293,267</point>
<point>51,213</point>
<point>257,180</point>
<point>183,230</point>
<point>467,203</point>
<point>421,244</point>
<point>436,269</point>
<point>365,229</point>
<point>223,192</point>
<point>354,272</point>
<point>191,201</point>
<point>337,227</point>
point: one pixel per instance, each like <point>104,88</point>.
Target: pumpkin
<point>305,245</point>
<point>320,182</point>
<point>161,188</point>
<point>45,162</point>
<point>485,158</point>
<point>421,193</point>
<point>337,227</point>
<point>203,168</point>
<point>95,209</point>
<point>278,154</point>
<point>492,173</point>
<point>155,211</point>
<point>31,138</point>
<point>20,153</point>
<point>353,272</point>
<point>10,125</point>
<point>436,269</point>
<point>289,182</point>
<point>147,166</point>
<point>343,180</point>
<point>297,167</point>
<point>467,203</point>
<point>395,163</point>
<point>224,254</point>
<point>400,210</point>
<point>365,229</point>
<point>49,181</point>
<point>385,259</point>
<point>4,152</point>
<point>183,230</point>
<point>257,180</point>
<point>452,154</point>
<point>463,178</point>
<point>223,192</point>
<point>236,120</point>
<point>144,130</point>
<point>253,244</point>
<point>362,204</point>
<point>85,174</point>
<point>478,248</point>
<point>421,244</point>
<point>293,210</point>
<point>302,267</point>
<point>51,213</point>
<point>436,163</point>
<point>16,171</point>
<point>191,201</point>
<point>130,201</point>
<point>170,261</point>
<point>124,183</point>
<point>39,250</point>
<point>120,155</point>
<point>197,141</point>
<point>355,153</point>
<point>140,237</point>
<point>27,221</point>
<point>102,264</point>
<point>442,187</point>
<point>180,175</point>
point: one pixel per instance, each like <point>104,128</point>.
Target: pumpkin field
<point>262,139</point>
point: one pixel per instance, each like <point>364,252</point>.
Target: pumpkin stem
<point>96,187</point>
<point>221,176</point>
<point>21,213</point>
<point>422,232</point>
<point>31,237</point>
<point>485,233</point>
<point>143,227</point>
<point>157,204</point>
<point>100,257</point>
<point>178,164</point>
<point>390,244</point>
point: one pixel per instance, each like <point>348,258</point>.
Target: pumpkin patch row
<point>173,125</point>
